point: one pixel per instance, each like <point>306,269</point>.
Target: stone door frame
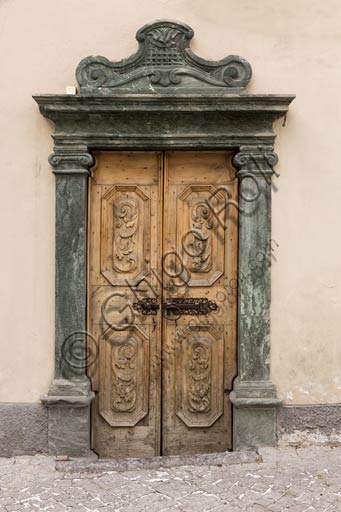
<point>162,98</point>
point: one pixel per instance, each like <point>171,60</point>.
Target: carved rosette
<point>165,60</point>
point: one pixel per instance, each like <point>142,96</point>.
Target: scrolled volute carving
<point>255,160</point>
<point>163,60</point>
<point>71,162</point>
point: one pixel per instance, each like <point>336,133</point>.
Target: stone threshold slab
<point>104,465</point>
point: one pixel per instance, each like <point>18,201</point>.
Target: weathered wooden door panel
<point>200,229</point>
<point>125,244</point>
<point>163,227</point>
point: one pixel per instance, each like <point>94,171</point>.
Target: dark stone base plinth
<point>254,414</point>
<point>254,427</point>
<point>68,404</point>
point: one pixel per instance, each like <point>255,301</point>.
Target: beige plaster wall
<point>294,46</point>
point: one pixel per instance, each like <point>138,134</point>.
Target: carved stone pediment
<point>163,63</point>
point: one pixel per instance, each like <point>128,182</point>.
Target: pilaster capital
<point>71,161</point>
<point>257,160</point>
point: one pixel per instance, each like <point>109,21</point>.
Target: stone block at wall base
<point>254,427</point>
<point>254,414</point>
<point>68,403</point>
<point>23,429</point>
<point>24,426</point>
<point>69,430</point>
<point>308,425</point>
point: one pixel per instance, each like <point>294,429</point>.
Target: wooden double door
<point>162,301</point>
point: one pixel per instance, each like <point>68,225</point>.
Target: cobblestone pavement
<point>300,480</point>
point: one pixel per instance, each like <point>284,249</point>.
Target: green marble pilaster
<point>254,396</point>
<point>69,396</point>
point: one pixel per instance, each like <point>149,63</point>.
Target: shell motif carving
<point>124,377</point>
<point>125,246</point>
<point>199,369</point>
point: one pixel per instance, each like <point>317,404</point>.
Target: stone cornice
<point>54,105</point>
<point>159,122</point>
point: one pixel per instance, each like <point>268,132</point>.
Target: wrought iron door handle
<point>190,306</point>
<point>148,306</point>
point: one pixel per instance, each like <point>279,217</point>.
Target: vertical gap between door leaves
<point>163,179</point>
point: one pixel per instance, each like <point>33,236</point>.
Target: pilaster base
<point>254,414</point>
<point>68,403</point>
